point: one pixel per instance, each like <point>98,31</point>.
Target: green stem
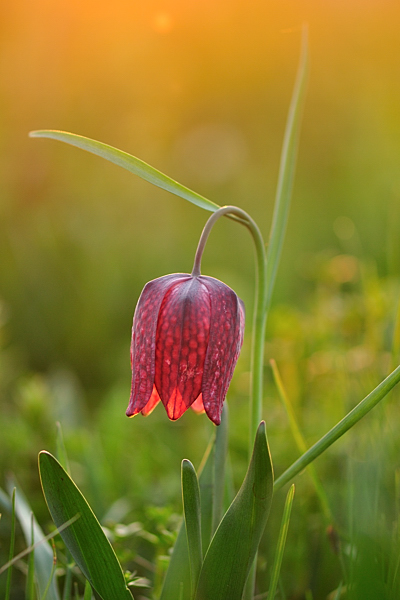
<point>286,170</point>
<point>344,425</point>
<point>259,319</point>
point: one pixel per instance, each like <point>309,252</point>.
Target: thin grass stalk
<point>30,580</point>
<point>276,569</point>
<point>300,441</point>
<point>12,545</point>
<point>340,428</point>
<point>286,170</point>
<point>53,570</point>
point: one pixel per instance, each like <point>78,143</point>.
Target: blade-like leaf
<point>30,577</point>
<point>192,512</point>
<point>286,170</point>
<point>177,578</point>
<point>84,538</point>
<point>88,591</point>
<point>12,543</point>
<point>340,428</point>
<point>234,545</point>
<point>220,453</point>
<point>43,553</point>
<point>281,543</point>
<point>130,163</point>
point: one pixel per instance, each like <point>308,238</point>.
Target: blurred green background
<point>201,91</point>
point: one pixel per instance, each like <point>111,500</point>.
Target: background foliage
<point>200,91</point>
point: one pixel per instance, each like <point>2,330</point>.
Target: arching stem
<point>259,318</point>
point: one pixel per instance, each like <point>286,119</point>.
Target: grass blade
<point>220,453</point>
<point>88,591</point>
<point>286,170</point>
<point>67,582</point>
<point>341,428</point>
<point>130,163</point>
<point>43,553</point>
<point>192,512</point>
<point>12,543</point>
<point>281,544</point>
<point>30,578</point>
<point>177,579</point>
<point>300,441</point>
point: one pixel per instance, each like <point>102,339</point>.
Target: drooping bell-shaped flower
<point>186,338</point>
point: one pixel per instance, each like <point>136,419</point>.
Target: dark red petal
<point>225,342</point>
<point>144,340</point>
<point>181,345</point>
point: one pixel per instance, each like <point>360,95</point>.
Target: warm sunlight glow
<point>162,22</point>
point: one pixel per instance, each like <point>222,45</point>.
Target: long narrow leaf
<point>177,579</point>
<point>192,512</point>
<point>221,449</point>
<point>300,441</point>
<point>84,538</point>
<point>234,545</point>
<point>43,553</point>
<point>286,170</point>
<point>340,428</point>
<point>130,163</point>
<point>30,578</point>
<point>88,591</point>
<point>276,569</point>
<point>12,542</point>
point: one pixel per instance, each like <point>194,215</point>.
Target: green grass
<point>330,354</point>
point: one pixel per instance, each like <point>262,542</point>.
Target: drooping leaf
<point>43,557</point>
<point>130,163</point>
<point>192,512</point>
<point>84,538</point>
<point>234,545</point>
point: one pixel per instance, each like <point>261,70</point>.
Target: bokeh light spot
<point>162,22</point>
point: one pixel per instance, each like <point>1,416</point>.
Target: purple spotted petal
<point>181,345</point>
<point>225,342</point>
<point>144,340</point>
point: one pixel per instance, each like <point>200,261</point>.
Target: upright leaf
<point>130,163</point>
<point>286,170</point>
<point>281,543</point>
<point>177,579</point>
<point>12,543</point>
<point>219,462</point>
<point>84,538</point>
<point>234,545</point>
<point>192,512</point>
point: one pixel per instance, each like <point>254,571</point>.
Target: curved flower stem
<point>259,319</point>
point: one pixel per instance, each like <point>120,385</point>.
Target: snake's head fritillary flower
<point>186,338</point>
